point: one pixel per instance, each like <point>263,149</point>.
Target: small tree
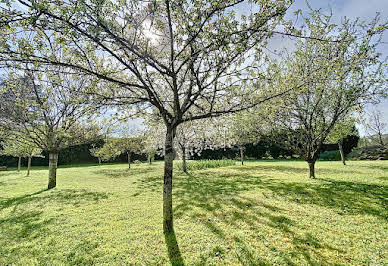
<point>47,106</point>
<point>96,152</point>
<point>332,79</point>
<point>21,149</point>
<point>377,126</point>
<point>340,131</point>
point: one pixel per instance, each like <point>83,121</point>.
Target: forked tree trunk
<point>129,159</point>
<point>341,149</point>
<point>19,163</point>
<point>184,165</point>
<point>167,184</point>
<point>53,164</point>
<point>28,166</point>
<point>312,169</point>
<point>242,155</point>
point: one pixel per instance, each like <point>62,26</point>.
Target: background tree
<point>333,79</point>
<point>13,148</point>
<point>48,109</point>
<point>21,149</point>
<point>376,125</point>
<point>96,152</point>
<point>340,132</point>
<point>129,140</point>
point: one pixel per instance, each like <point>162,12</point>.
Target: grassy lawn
<point>266,212</point>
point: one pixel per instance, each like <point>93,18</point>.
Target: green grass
<point>204,164</point>
<point>262,213</point>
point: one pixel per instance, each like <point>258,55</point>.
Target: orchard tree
<point>340,131</point>
<point>21,149</point>
<point>109,150</point>
<point>96,152</point>
<point>338,79</point>
<point>129,140</point>
<point>242,129</point>
<point>376,125</point>
<point>14,149</point>
<point>47,109</point>
<point>188,59</point>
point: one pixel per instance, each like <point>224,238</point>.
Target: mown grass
<point>204,164</point>
<point>262,213</point>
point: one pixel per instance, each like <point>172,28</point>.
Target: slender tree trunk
<point>28,166</point>
<point>19,163</point>
<point>167,184</point>
<point>242,155</point>
<point>341,149</point>
<point>129,159</point>
<point>381,139</point>
<point>53,164</point>
<point>312,169</point>
<point>150,155</point>
<point>184,165</point>
<point>99,160</point>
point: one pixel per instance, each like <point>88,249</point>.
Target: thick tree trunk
<point>242,155</point>
<point>129,160</point>
<point>53,164</point>
<point>341,149</point>
<point>167,184</point>
<point>28,166</point>
<point>19,163</point>
<point>312,169</point>
<point>184,165</point>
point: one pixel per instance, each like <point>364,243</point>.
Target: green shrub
<point>203,164</point>
<point>330,156</point>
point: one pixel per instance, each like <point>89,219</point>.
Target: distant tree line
<point>80,154</point>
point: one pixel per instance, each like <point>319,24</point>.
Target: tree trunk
<point>312,169</point>
<point>184,165</point>
<point>242,155</point>
<point>28,166</point>
<point>129,159</point>
<point>381,139</point>
<point>150,157</point>
<point>19,163</point>
<point>53,164</point>
<point>341,149</point>
<point>99,160</point>
<point>167,184</point>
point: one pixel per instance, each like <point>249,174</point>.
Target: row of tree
<point>177,63</point>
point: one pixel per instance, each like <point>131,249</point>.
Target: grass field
<point>265,212</point>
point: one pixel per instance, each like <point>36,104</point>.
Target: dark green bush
<point>330,156</point>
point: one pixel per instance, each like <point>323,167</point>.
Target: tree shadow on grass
<point>213,199</point>
<point>123,173</point>
<point>62,196</point>
<point>174,253</point>
<point>22,218</point>
<point>294,170</point>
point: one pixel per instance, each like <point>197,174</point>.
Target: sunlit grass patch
<point>204,164</point>
<point>262,213</point>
